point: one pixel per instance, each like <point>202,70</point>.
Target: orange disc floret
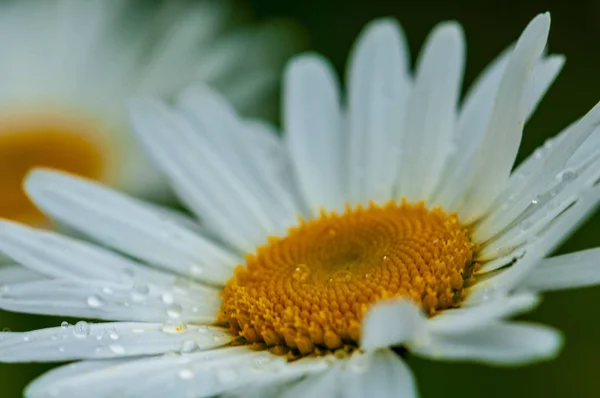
<point>309,290</point>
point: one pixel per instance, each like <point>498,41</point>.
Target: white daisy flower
<point>315,306</point>
<point>72,64</point>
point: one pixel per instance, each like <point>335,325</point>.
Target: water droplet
<point>188,346</point>
<point>301,272</point>
<point>219,337</point>
<point>174,310</point>
<point>61,349</point>
<point>107,290</point>
<point>196,270</point>
<point>525,225</point>
<point>539,153</point>
<point>185,374</point>
<point>117,349</point>
<point>202,329</point>
<point>112,334</point>
<point>81,329</point>
<point>128,274</point>
<point>95,301</point>
<point>64,325</point>
<point>568,175</point>
<point>341,277</point>
<point>26,338</point>
<point>172,326</point>
<point>139,291</point>
<point>359,363</point>
<point>261,362</point>
<point>386,258</point>
<point>226,376</point>
<point>167,298</point>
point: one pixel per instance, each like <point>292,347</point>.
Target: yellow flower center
<point>308,291</point>
<point>29,141</point>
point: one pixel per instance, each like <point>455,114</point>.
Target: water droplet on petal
<point>64,325</point>
<point>174,310</point>
<point>185,374</point>
<point>172,326</point>
<point>107,290</point>
<point>26,338</point>
<point>117,349</point>
<point>81,329</point>
<point>188,346</point>
<point>95,301</point>
<point>568,175</point>
<point>196,270</point>
<point>139,291</point>
<point>112,334</point>
<point>167,298</point>
<point>61,349</point>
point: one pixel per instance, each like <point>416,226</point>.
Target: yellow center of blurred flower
<point>307,292</point>
<point>28,142</point>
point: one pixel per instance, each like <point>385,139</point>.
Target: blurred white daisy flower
<point>70,65</point>
<point>317,305</point>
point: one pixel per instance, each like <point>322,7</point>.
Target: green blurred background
<point>489,27</point>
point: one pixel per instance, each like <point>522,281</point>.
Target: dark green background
<point>331,27</point>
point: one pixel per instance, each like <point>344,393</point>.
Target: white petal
<point>59,256</point>
<point>390,323</point>
<point>565,272</point>
<point>108,340</point>
<point>209,183</point>
<point>111,301</point>
<point>204,374</point>
<point>378,374</point>
<point>12,273</point>
<point>431,112</point>
<point>252,149</point>
<point>457,321</point>
<point>498,150</point>
<point>543,176</point>
<point>312,119</point>
<point>498,344</point>
<point>546,241</point>
<point>474,118</point>
<point>128,225</point>
<point>378,86</point>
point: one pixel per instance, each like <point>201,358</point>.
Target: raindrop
<point>64,325</point>
<point>525,225</point>
<point>112,334</point>
<point>219,337</point>
<point>301,272</point>
<point>117,349</point>
<point>567,175</point>
<point>139,291</point>
<point>225,376</point>
<point>341,277</point>
<point>185,374</point>
<point>128,274</point>
<point>174,310</point>
<point>261,362</point>
<point>172,326</point>
<point>81,329</point>
<point>167,298</point>
<point>95,301</point>
<point>188,346</point>
<point>196,270</point>
<point>202,329</point>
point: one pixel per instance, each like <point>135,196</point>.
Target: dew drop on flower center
<point>308,291</point>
